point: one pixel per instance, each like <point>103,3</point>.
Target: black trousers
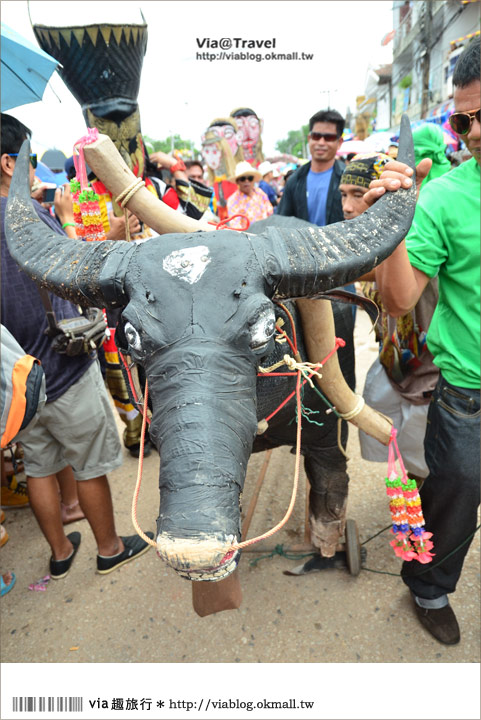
<point>450,493</point>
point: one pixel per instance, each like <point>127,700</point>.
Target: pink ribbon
<point>79,160</point>
<point>391,458</point>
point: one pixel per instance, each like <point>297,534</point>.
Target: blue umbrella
<point>26,70</point>
<point>46,175</point>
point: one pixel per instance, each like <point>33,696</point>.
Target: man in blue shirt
<point>312,193</point>
<point>267,172</point>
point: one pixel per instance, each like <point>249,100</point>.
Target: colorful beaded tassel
<point>411,541</point>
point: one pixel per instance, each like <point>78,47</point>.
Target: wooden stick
<point>255,495</point>
<point>212,597</point>
<point>106,162</point>
<point>307,530</point>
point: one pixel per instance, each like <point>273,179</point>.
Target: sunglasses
<point>250,178</point>
<point>461,121</point>
<point>33,158</point>
<point>328,137</point>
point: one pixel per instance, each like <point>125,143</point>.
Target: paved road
<point>143,612</point>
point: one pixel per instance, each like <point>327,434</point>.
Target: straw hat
<point>266,167</point>
<point>245,168</point>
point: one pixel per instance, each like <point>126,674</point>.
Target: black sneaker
<point>134,547</point>
<point>60,568</point>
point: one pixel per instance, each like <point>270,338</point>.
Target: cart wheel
<point>353,548</point>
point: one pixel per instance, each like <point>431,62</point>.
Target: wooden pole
<point>255,495</point>
<point>212,597</point>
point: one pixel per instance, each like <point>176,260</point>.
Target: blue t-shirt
<point>24,315</point>
<point>269,191</point>
<point>317,188</point>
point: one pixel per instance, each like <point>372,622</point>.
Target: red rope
<point>223,223</point>
<point>339,342</point>
<point>132,386</point>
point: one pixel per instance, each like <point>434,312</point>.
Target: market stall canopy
<point>353,146</point>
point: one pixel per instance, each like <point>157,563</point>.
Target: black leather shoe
<point>440,622</point>
<point>59,568</point>
<point>134,450</point>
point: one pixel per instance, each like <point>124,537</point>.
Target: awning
<point>441,112</point>
<point>465,37</point>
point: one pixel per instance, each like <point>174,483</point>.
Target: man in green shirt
<point>444,240</point>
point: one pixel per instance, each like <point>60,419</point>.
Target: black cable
<point>428,569</point>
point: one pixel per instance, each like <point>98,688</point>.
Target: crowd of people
<point>425,377</point>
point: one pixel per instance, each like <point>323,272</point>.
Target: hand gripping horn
<point>87,273</point>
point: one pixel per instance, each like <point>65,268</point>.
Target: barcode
<point>47,704</point>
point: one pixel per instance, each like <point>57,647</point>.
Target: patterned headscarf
<point>364,168</point>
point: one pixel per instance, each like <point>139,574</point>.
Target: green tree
<point>186,146</point>
<point>295,143</point>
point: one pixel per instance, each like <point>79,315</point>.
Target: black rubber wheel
<point>353,548</point>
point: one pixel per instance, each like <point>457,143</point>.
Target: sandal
<point>71,513</point>
<point>7,585</point>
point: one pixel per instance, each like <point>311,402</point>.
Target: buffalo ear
<point>87,273</point>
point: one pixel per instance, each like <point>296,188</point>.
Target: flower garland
<point>86,207</point>
<point>411,541</point>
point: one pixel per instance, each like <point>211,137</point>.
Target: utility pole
<point>426,34</point>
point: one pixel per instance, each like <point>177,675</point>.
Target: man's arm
<point>400,284</point>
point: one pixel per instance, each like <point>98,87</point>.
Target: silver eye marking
<point>263,328</point>
<point>133,337</point>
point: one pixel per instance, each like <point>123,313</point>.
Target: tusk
<point>319,338</point>
<point>106,162</point>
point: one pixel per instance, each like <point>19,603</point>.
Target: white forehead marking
<point>188,264</point>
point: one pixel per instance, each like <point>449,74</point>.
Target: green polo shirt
<point>444,240</point>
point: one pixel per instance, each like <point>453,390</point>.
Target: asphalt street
<point>143,611</point>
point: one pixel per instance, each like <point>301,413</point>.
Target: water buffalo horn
<point>303,262</point>
<point>87,273</point>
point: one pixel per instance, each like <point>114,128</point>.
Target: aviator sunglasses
<point>33,159</point>
<point>250,178</point>
<point>461,122</point>
<point>328,137</point>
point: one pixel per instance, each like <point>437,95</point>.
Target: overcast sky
<point>182,94</point>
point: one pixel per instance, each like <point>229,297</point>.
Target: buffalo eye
<point>133,337</point>
<point>262,329</point>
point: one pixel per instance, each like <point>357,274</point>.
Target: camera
<point>49,195</point>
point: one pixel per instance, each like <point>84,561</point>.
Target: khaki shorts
<point>77,429</point>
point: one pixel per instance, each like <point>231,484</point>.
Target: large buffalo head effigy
<point>198,315</point>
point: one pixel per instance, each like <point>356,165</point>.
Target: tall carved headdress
<point>229,130</point>
<point>226,167</point>
<point>250,129</point>
<point>101,66</point>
